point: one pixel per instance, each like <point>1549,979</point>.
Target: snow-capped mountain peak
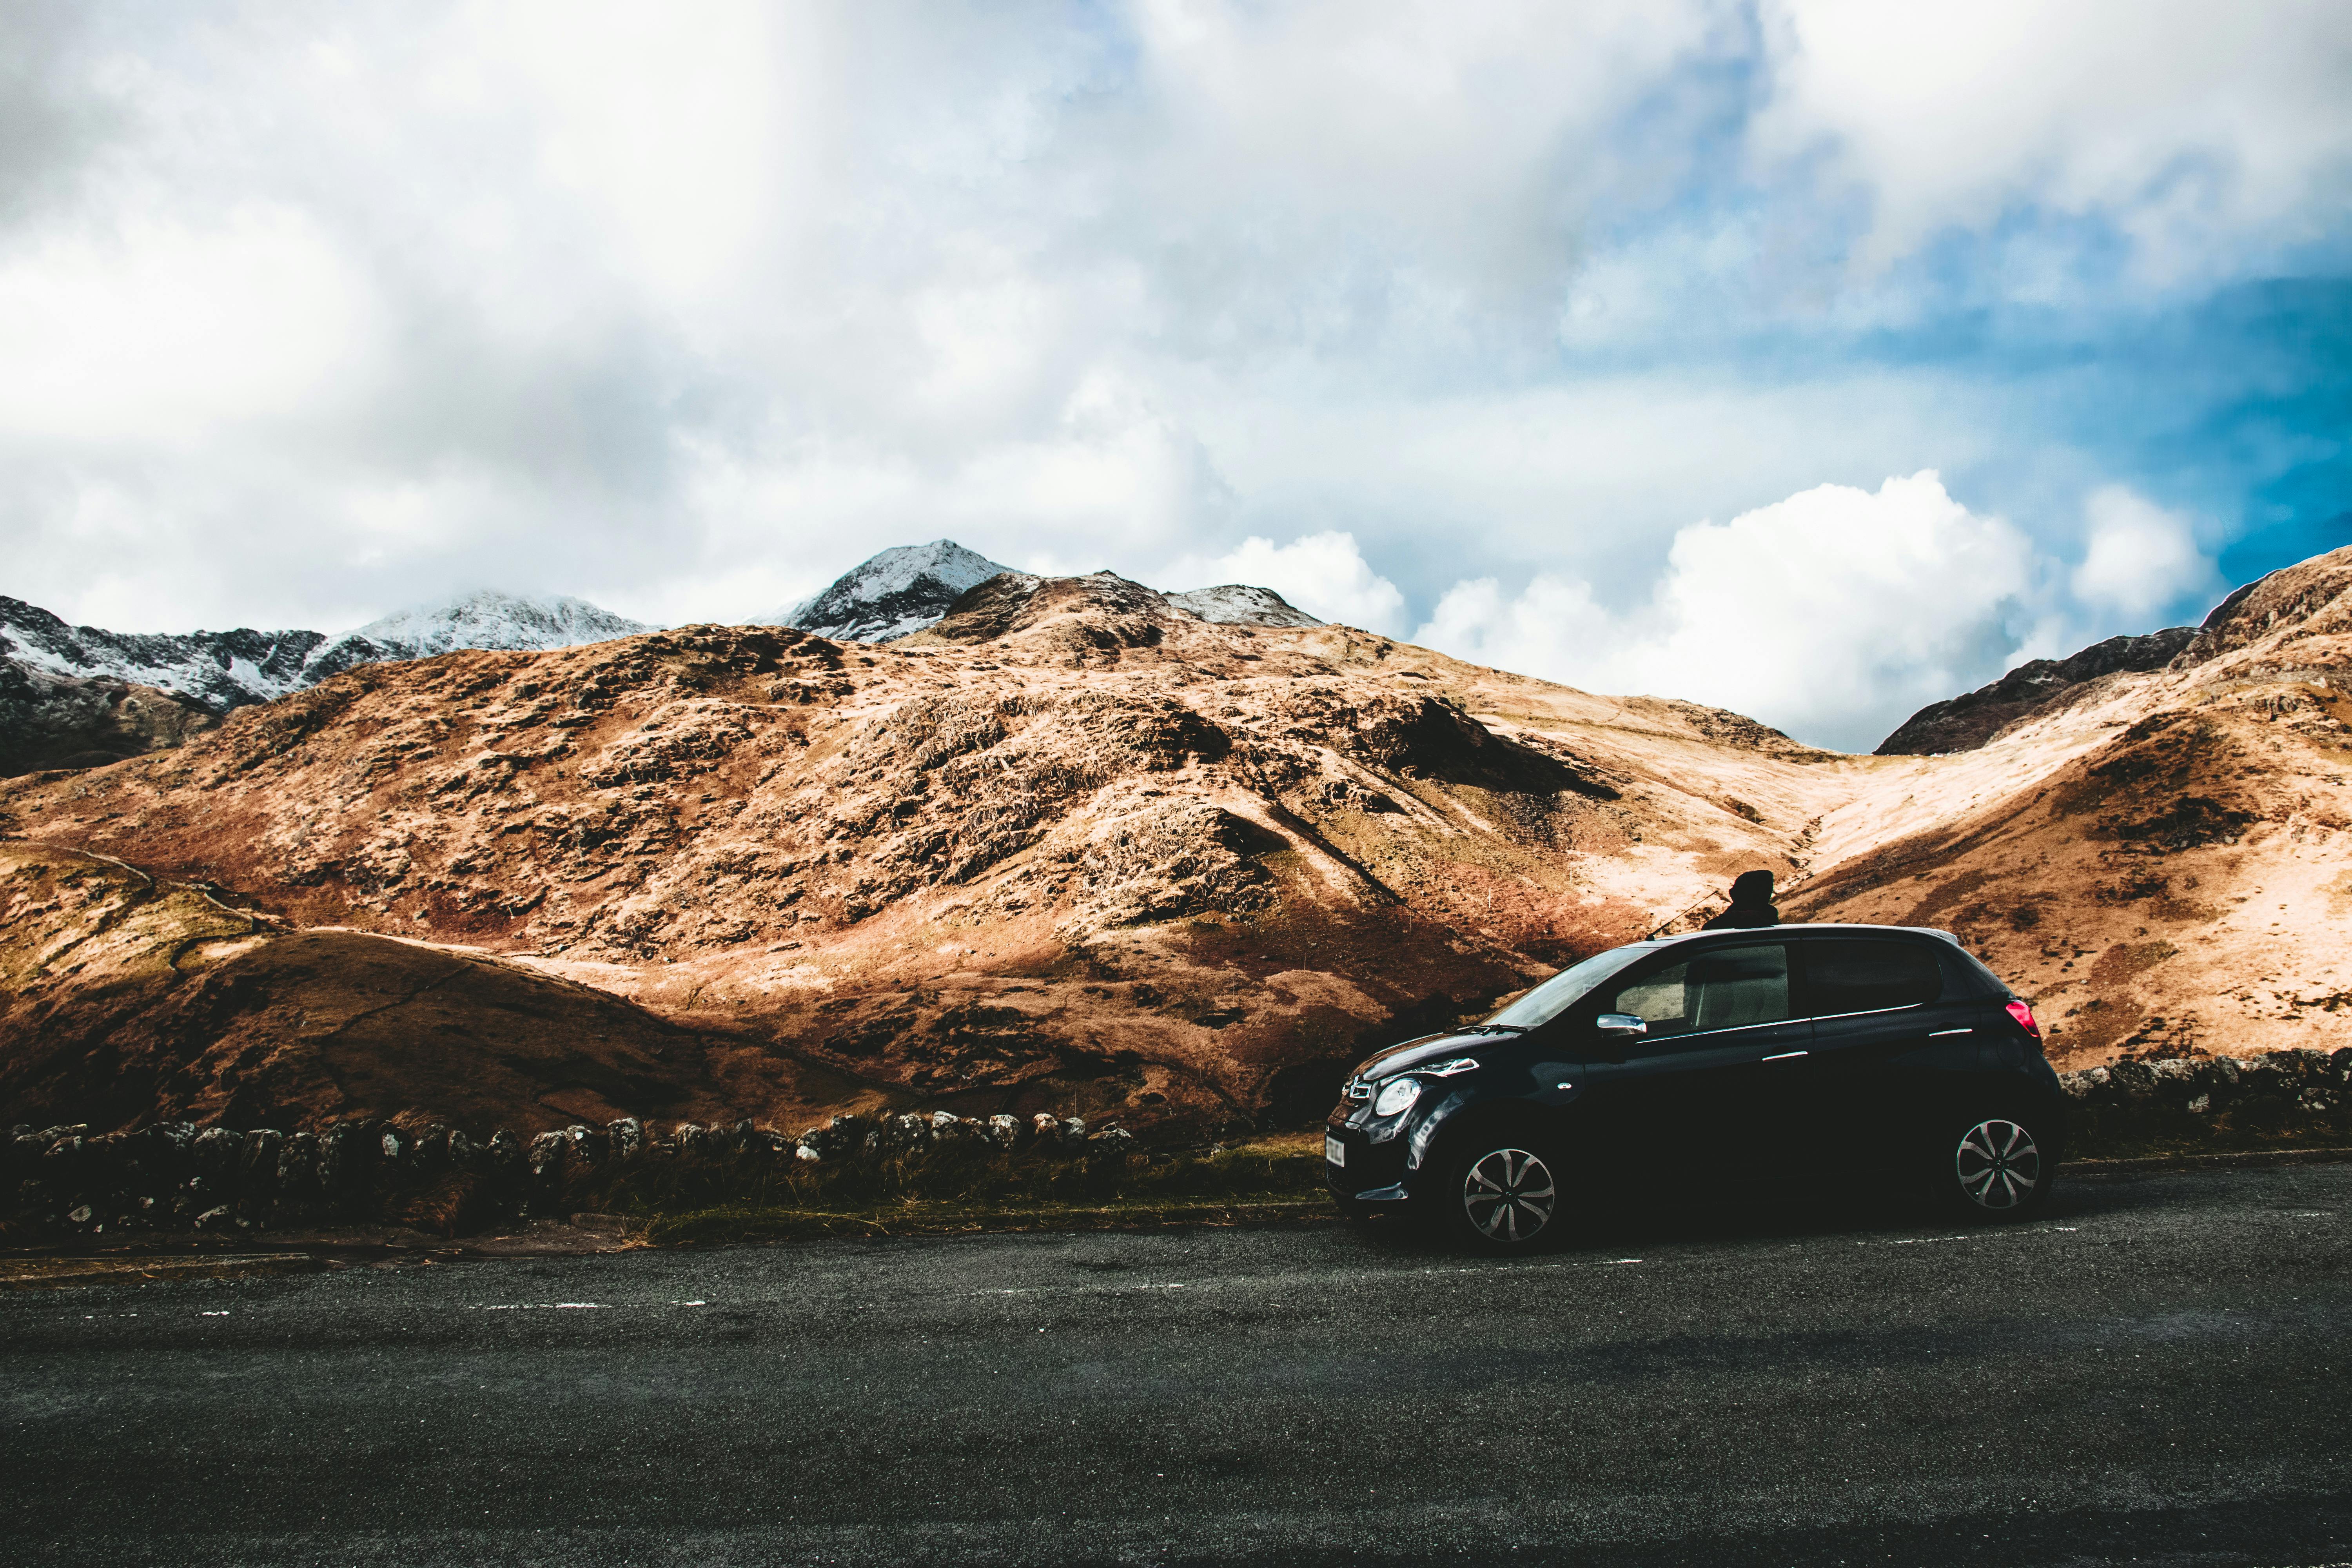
<point>482,620</point>
<point>495,620</point>
<point>892,594</point>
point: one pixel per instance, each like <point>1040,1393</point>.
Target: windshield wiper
<point>1494,1029</point>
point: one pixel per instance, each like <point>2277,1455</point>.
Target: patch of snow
<point>1239,605</point>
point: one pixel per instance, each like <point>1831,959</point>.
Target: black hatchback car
<point>1771,1060</point>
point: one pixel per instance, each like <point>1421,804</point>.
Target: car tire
<point>1995,1167</point>
<point>1501,1193</point>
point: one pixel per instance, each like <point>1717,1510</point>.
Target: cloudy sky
<point>1814,358</point>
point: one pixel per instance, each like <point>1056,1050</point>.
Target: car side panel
<point>1695,1103</point>
<point>1889,1079</point>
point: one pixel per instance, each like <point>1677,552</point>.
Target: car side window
<point>1863,974</point>
<point>1724,988</point>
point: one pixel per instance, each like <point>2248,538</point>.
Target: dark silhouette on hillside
<point>1751,904</point>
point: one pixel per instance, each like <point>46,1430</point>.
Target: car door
<point>1724,1053</point>
<point>1891,1021</point>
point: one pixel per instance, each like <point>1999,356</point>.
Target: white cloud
<point>1323,574</point>
<point>673,134</point>
<point>2140,558</point>
<point>161,332</point>
<point>2212,135</point>
<point>1831,615</point>
<point>308,313</point>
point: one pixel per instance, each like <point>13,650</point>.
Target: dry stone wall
<point>2280,1098</point>
<point>175,1176</point>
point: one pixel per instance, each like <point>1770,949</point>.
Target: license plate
<point>1334,1150</point>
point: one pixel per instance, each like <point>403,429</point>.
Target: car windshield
<point>1556,996</point>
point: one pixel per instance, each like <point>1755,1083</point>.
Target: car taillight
<point>2024,1017</point>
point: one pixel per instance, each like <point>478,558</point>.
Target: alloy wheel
<point>1509,1196</point>
<point>1999,1164</point>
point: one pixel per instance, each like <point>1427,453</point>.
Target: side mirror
<point>1611,1030</point>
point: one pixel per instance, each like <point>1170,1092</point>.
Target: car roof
<point>1840,926</point>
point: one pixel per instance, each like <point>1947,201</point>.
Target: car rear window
<point>1863,974</point>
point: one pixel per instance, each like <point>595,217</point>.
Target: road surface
<point>2156,1370</point>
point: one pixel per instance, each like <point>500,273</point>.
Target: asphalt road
<point>2156,1371</point>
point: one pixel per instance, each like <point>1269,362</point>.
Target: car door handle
<point>1784,1056</point>
<point>1940,1034</point>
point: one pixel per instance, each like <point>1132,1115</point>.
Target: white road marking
<point>540,1307</point>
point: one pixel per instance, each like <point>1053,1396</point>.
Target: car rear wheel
<point>1997,1168</point>
<point>1501,1195</point>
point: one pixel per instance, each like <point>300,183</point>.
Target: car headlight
<point>1396,1095</point>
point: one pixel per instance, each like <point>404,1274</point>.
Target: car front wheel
<point>1500,1195</point>
<point>1997,1168</point>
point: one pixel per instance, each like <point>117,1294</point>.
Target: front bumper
<point>1375,1170</point>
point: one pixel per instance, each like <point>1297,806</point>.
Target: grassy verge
<point>2155,1131</point>
<point>742,1223</point>
<point>962,1186</point>
<point>43,1273</point>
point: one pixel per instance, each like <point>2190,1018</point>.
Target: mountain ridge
<point>77,696</point>
<point>908,589</point>
<point>222,670</point>
<point>1973,719</point>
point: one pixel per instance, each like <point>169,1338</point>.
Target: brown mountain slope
<point>63,721</point>
<point>1072,847</point>
<point>2160,860</point>
<point>123,998</point>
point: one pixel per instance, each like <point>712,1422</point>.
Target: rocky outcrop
<point>1239,605</point>
<point>2285,610</point>
<point>1967,721</point>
